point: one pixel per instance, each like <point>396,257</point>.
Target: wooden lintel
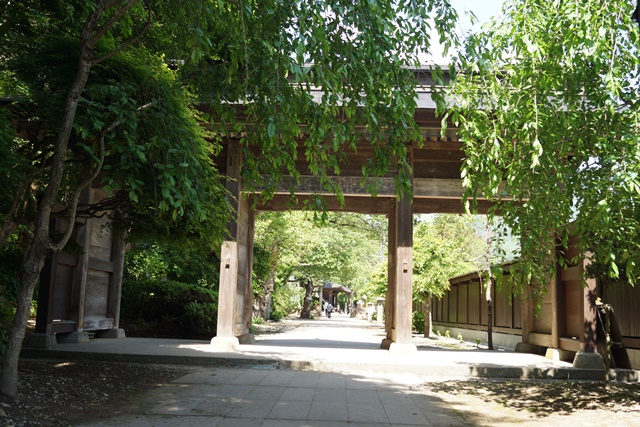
<point>366,205</point>
<point>434,205</point>
<point>356,186</point>
<point>370,205</point>
<point>352,185</point>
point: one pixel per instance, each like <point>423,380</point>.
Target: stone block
<point>247,339</point>
<point>73,337</point>
<point>585,360</point>
<point>402,349</point>
<point>225,343</point>
<point>111,333</point>
<point>42,341</point>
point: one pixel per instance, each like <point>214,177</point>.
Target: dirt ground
<point>62,393</point>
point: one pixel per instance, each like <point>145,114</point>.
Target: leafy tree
<point>272,237</point>
<point>110,83</point>
<point>546,97</point>
<point>377,282</point>
<point>489,263</point>
<point>96,107</point>
<point>341,250</point>
<point>444,246</point>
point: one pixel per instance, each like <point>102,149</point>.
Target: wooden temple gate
<point>437,188</point>
<point>81,293</point>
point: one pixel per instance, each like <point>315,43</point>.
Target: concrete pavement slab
<point>342,378</point>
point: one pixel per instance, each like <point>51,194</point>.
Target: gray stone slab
<point>268,392</point>
<point>330,396</point>
<point>320,411</point>
<point>215,407</point>
<point>278,377</point>
<point>298,394</point>
<point>290,410</point>
<point>332,380</point>
<point>238,422</point>
<point>394,398</point>
<point>367,413</point>
<point>228,391</point>
<point>447,418</point>
<point>304,379</point>
<point>363,396</point>
<point>405,414</point>
<point>259,408</point>
<point>157,421</point>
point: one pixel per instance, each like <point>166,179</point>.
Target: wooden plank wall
<point>464,306</point>
<point>625,300</point>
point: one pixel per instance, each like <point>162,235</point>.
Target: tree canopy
<point>343,249</point>
<point>107,90</point>
<point>445,246</point>
<point>546,97</point>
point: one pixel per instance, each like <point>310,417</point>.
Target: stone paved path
<point>253,397</point>
<point>343,379</point>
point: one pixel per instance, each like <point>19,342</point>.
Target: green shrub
<point>285,300</point>
<point>169,308</point>
<point>418,322</point>
<point>201,318</point>
<point>277,312</point>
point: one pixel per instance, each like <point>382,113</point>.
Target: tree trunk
<point>29,275</point>
<point>428,322</point>
<point>308,298</point>
<point>41,244</point>
<point>263,301</point>
<point>489,315</point>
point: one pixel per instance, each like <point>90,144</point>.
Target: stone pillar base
<point>247,339</point>
<point>588,360</point>
<point>42,341</point>
<point>386,343</point>
<point>111,333</point>
<point>73,337</point>
<point>225,343</point>
<point>402,349</point>
<point>559,354</point>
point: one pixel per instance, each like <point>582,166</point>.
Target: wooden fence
<point>566,317</point>
<point>465,306</point>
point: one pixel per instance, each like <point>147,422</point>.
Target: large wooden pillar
<point>244,293</point>
<point>404,278</point>
<point>390,304</point>
<point>225,338</point>
<point>400,292</point>
<point>235,295</point>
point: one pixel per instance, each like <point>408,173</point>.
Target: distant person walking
<point>328,309</point>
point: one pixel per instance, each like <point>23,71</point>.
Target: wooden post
<point>244,296</point>
<point>404,278</point>
<point>390,304</point>
<point>225,338</point>
<point>588,340</point>
<point>240,230</point>
<point>588,357</point>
